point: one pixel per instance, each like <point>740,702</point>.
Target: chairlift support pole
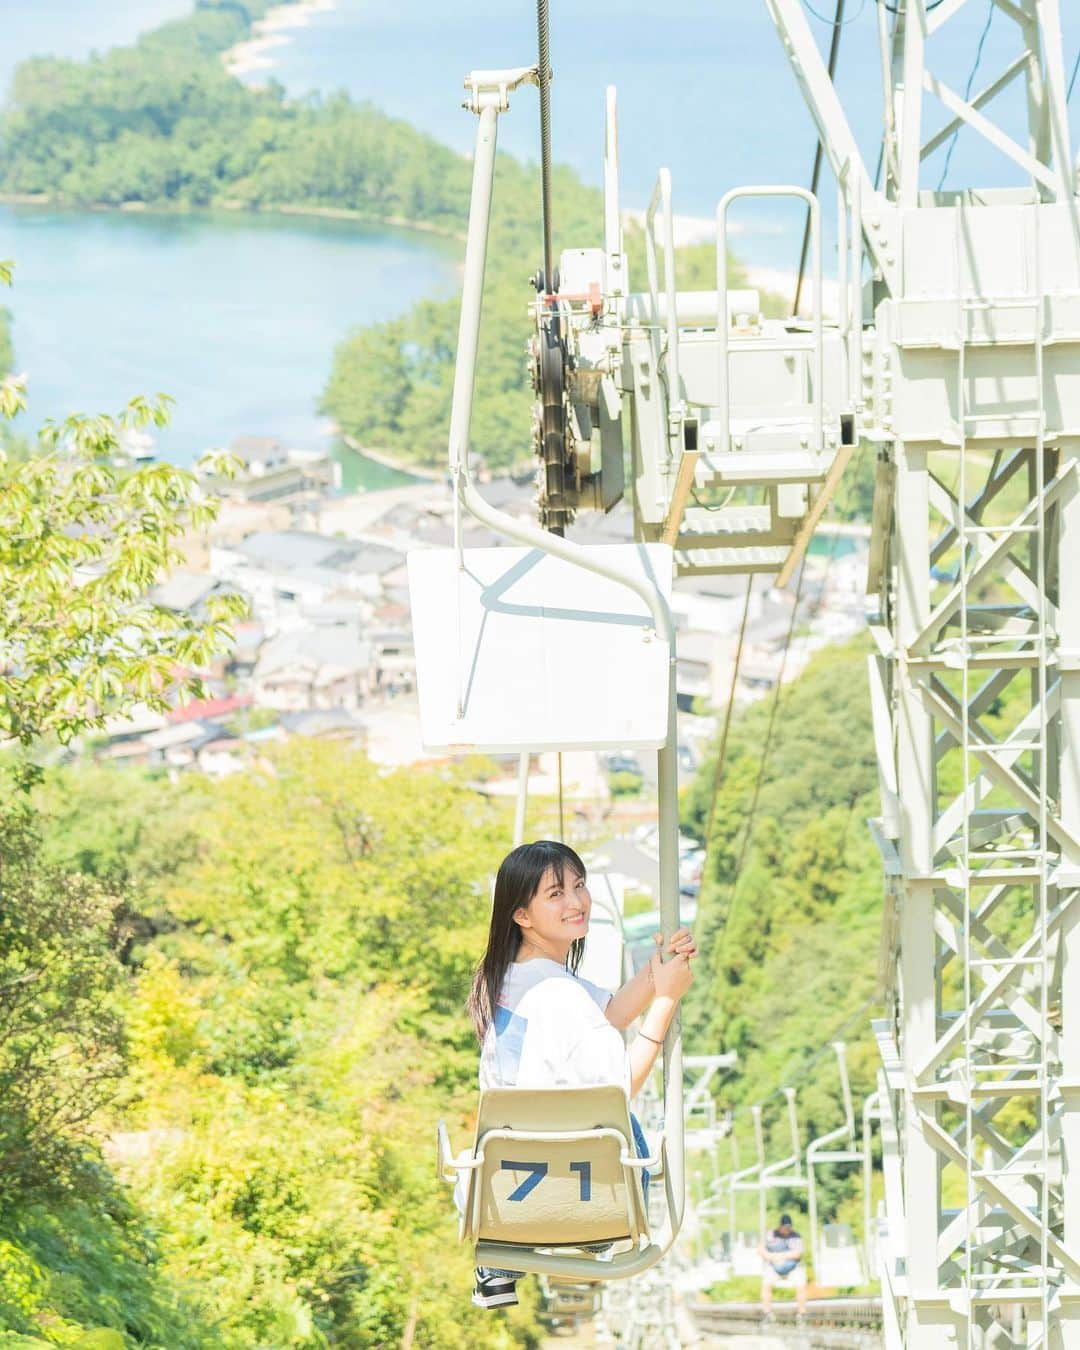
<point>744,1178</point>
<point>773,1176</point>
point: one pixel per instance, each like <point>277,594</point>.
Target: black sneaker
<point>494,1292</point>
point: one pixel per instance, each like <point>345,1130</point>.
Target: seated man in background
<point>781,1250</point>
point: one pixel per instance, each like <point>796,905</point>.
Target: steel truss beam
<point>977,707</point>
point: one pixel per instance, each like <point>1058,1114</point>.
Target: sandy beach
<point>255,53</point>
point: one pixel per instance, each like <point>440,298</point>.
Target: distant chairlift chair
<point>837,1260</point>
<point>745,1258</point>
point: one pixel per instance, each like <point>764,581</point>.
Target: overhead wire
<point>543,72</point>
<point>901,9</point>
<point>713,506</point>
<point>836,23</point>
<point>762,765</point>
<point>968,87</point>
<point>766,746</point>
<point>1072,77</point>
<point>544,82</point>
<point>838,26</point>
<point>721,753</point>
<point>806,1067</point>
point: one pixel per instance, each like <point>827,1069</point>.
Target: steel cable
<point>834,52</point>
<point>544,81</point>
<point>762,764</point>
<point>967,88</point>
<point>721,754</point>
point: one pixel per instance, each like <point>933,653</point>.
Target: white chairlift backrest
<point>556,1167</point>
<point>520,650</point>
<point>839,1262</point>
<point>745,1259</point>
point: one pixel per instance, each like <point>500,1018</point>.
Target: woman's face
<point>558,914</point>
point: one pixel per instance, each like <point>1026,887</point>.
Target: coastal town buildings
<point>327,651</point>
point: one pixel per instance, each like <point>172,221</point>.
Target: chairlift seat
<point>572,1300</point>
<point>745,1258</point>
<point>839,1262</point>
<point>519,650</point>
<point>551,1167</point>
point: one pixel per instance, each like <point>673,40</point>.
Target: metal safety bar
<point>661,200</point>
<point>613,236</point>
<point>819,1150</point>
<point>489,97</point>
<point>723,322</point>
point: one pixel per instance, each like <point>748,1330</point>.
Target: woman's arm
<point>633,998</point>
<point>671,979</point>
<point>645,1047</point>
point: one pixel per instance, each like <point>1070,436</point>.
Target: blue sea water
<point>236,317</point>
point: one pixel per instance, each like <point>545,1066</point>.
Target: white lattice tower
<point>972,391</point>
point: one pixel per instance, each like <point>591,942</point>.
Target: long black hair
<point>517,882</point>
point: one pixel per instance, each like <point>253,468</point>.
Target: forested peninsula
<point>162,125</point>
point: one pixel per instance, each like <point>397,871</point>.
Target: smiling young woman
<point>539,1023</point>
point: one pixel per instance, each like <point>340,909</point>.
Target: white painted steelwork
<point>971,378</point>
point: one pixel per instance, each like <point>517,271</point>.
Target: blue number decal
<point>584,1170</point>
<point>537,1172</point>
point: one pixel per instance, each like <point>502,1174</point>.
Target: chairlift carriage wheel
<point>551,422</point>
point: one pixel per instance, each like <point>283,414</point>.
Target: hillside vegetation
<point>162,124</point>
<point>230,1014</point>
<point>289,955</point>
<point>790,940</point>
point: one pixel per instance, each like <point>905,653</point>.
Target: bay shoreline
<point>60,203</point>
<point>250,54</point>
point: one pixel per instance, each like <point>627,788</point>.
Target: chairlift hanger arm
<point>490,89</point>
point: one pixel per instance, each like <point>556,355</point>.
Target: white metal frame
<point>1005,1264</point>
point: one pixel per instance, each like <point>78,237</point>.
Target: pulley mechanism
<point>549,361</point>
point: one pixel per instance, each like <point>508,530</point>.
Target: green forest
<point>790,913</point>
<point>229,1013</point>
<point>267,976</point>
<point>162,124</point>
<point>222,1128</point>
